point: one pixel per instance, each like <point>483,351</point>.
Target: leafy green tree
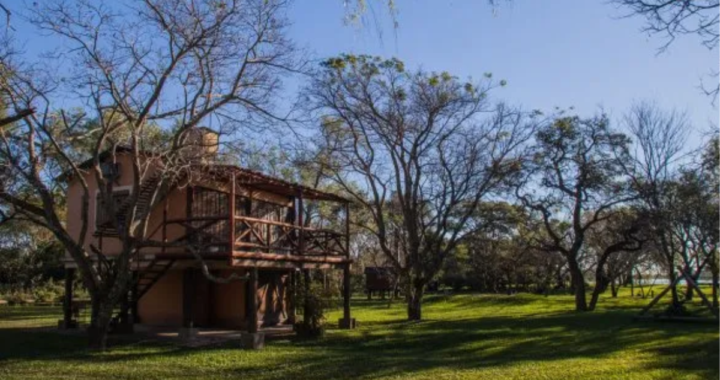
<point>413,150</point>
<point>615,246</point>
<point>29,256</point>
<point>573,178</point>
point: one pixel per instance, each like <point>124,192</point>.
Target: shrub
<point>48,292</point>
<point>17,298</point>
<point>319,300</point>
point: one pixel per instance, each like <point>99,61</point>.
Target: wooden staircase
<point>145,193</point>
<point>147,277</point>
<point>152,273</point>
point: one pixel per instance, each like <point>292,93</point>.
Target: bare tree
<point>670,19</point>
<point>659,139</point>
<point>421,156</point>
<point>573,179</point>
<point>140,68</point>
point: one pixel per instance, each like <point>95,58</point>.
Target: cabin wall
<point>228,302</point>
<point>74,204</point>
<point>215,304</point>
<point>162,304</point>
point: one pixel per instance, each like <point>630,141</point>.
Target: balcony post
<point>188,211</point>
<point>306,292</point>
<point>301,224</point>
<point>231,212</point>
<point>164,228</point>
<point>347,322</point>
<point>292,297</point>
<point>188,331</point>
<point>252,289</point>
<point>247,209</point>
<point>253,340</point>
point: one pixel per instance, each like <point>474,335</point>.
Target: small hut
<point>379,280</point>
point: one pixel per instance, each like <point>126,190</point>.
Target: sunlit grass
<point>466,336</point>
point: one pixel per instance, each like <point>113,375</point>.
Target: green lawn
<point>463,337</point>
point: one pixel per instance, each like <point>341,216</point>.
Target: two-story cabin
<point>245,222</point>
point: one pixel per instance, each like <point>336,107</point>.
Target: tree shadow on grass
<point>699,357</point>
<point>398,347</point>
<point>489,342</point>
<point>13,313</point>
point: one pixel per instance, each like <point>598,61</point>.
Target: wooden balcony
<point>276,241</point>
<point>249,219</point>
<point>264,241</point>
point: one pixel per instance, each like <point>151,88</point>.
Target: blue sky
<point>562,53</point>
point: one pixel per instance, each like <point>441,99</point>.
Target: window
<point>118,198</point>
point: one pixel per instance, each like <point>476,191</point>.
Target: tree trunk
<point>688,292</point>
<point>414,298</point>
<point>101,315</point>
<point>674,292</point>
<point>714,270</point>
<point>601,282</point>
<point>601,285</point>
<point>715,289</point>
<point>614,288</point>
<point>578,284</point>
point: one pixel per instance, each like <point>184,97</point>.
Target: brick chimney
<point>201,144</point>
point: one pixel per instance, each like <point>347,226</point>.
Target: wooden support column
<point>231,222</point>
<point>247,211</point>
<point>252,307</point>
<point>290,216</point>
<point>306,303</point>
<point>292,297</point>
<point>347,321</point>
<point>248,204</point>
<point>67,321</point>
<point>253,340</point>
<point>301,223</point>
<point>164,229</point>
<point>188,304</point>
<point>188,211</point>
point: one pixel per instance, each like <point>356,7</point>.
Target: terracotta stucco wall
<point>215,305</point>
<point>162,304</point>
<point>228,303</point>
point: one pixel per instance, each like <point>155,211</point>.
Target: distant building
<point>379,280</point>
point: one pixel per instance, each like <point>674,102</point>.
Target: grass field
<point>463,337</point>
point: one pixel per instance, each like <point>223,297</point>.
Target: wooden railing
<point>268,236</point>
<point>210,233</point>
<point>254,236</point>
